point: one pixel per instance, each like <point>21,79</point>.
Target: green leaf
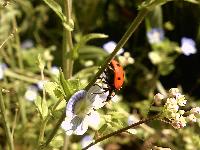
<point>193,1</point>
<point>58,10</point>
<point>86,72</point>
<point>42,107</point>
<point>103,129</point>
<point>57,141</point>
<point>53,89</point>
<point>84,40</point>
<point>69,86</point>
<point>74,85</point>
<point>65,85</point>
<point>92,36</point>
<point>92,52</point>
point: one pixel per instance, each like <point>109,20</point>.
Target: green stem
<point>67,42</point>
<point>126,36</point>
<point>22,106</point>
<point>14,122</point>
<point>67,50</point>
<point>121,130</point>
<point>12,74</point>
<point>134,25</point>
<point>42,130</point>
<point>19,52</point>
<point>160,88</point>
<point>2,51</point>
<point>52,134</point>
<point>6,122</point>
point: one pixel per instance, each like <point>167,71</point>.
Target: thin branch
<point>6,122</point>
<point>134,25</point>
<point>121,130</point>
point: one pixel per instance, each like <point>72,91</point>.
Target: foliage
<point>40,41</point>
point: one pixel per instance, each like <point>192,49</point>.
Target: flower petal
<point>80,126</point>
<point>72,101</point>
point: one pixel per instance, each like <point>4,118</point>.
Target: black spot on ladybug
<point>118,78</point>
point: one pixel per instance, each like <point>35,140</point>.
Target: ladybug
<point>114,78</point>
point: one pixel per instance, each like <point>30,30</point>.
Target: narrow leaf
<point>58,10</point>
<point>42,107</point>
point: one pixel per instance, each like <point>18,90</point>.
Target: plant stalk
<point>121,130</point>
<point>6,122</point>
<point>67,54</point>
<point>134,25</point>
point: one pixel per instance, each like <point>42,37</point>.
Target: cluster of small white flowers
<point>172,111</point>
<point>194,114</point>
<point>126,59</point>
<point>158,99</point>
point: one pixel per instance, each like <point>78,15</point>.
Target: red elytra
<point>118,74</point>
<point>114,78</point>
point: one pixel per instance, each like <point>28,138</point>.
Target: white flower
<point>94,120</point>
<point>87,140</point>
<point>173,92</point>
<point>192,118</point>
<point>28,43</point>
<point>54,70</point>
<point>195,110</point>
<point>110,46</point>
<point>80,110</point>
<point>131,120</point>
<point>97,96</point>
<point>40,84</point>
<point>155,35</point>
<point>179,122</point>
<point>126,59</point>
<point>2,70</point>
<point>188,46</point>
<point>155,57</point>
<point>31,93</point>
<point>158,97</point>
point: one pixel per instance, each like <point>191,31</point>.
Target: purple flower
<point>155,35</point>
<point>80,110</point>
<point>188,46</point>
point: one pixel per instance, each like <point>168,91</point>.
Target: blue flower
<point>155,35</point>
<point>87,140</point>
<point>110,46</point>
<point>2,70</point>
<point>80,109</point>
<point>188,46</point>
